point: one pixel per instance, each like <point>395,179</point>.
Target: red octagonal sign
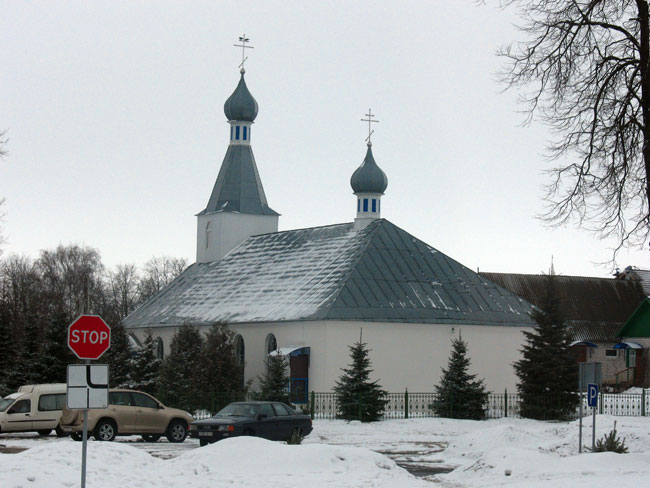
<point>89,337</point>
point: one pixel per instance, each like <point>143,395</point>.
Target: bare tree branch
<point>584,64</point>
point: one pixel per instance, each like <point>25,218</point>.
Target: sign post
<point>592,401</point>
<point>589,374</point>
<point>87,385</point>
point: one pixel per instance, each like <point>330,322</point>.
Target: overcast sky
<point>114,111</point>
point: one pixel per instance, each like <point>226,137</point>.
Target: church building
<point>310,293</point>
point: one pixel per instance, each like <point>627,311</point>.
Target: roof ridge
<point>545,274</point>
<point>303,229</point>
<point>374,228</point>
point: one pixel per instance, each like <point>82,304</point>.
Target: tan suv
<point>129,413</point>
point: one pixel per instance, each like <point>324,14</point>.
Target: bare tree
<point>72,275</point>
<point>3,154</point>
<point>585,65</point>
<point>123,285</point>
<point>159,272</point>
<point>4,140</point>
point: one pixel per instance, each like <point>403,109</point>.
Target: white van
<point>33,408</point>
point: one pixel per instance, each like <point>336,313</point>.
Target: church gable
<point>399,278</point>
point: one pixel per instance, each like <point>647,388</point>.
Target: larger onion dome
<point>241,105</point>
<point>369,178</point>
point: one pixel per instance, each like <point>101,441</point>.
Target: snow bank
<point>241,462</point>
<point>543,454</point>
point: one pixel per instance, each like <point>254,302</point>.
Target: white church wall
<point>227,230</point>
<point>403,355</point>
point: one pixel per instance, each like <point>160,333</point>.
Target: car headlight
<point>226,428</point>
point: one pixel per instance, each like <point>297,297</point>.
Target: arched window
<point>160,348</point>
<point>208,235</point>
<point>240,349</point>
<point>271,344</point>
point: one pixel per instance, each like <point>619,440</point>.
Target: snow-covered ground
<point>349,454</point>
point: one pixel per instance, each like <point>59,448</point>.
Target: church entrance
<point>299,376</point>
<point>298,359</point>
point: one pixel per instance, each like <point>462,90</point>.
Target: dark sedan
<point>271,420</point>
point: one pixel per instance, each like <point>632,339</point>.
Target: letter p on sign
<point>89,337</point>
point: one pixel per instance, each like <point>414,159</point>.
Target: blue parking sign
<point>592,395</point>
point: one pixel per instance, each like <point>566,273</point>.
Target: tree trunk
<point>644,58</point>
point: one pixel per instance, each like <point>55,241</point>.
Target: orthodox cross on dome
<point>243,39</point>
<point>370,122</point>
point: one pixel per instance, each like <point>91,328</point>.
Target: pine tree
<point>8,348</point>
<point>56,354</point>
<point>146,366</point>
<point>180,372</point>
<point>119,357</point>
<point>274,385</point>
<point>358,397</point>
<point>459,395</point>
<point>548,373</point>
<point>221,370</point>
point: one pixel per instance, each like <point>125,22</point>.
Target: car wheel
<point>44,431</point>
<point>177,431</point>
<point>296,434</point>
<point>76,436</point>
<point>203,442</point>
<point>105,430</point>
<point>60,432</point>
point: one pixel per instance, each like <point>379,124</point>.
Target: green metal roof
<point>241,105</point>
<point>238,187</point>
<point>378,274</point>
<point>369,178</point>
<point>638,325</point>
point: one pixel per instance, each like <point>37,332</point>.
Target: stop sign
<point>89,337</point>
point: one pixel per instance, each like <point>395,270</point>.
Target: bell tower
<point>237,208</point>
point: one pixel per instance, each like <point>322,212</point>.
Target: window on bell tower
<point>208,235</point>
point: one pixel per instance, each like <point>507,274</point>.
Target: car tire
<point>60,432</point>
<point>105,430</point>
<point>296,432</point>
<point>177,431</point>
<point>44,432</point>
<point>76,436</point>
<point>150,437</point>
<point>203,442</point>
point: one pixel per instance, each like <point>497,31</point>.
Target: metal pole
<point>406,403</point>
<point>84,444</point>
<point>580,393</point>
<point>593,431</point>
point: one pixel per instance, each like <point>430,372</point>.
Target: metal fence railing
<point>324,405</point>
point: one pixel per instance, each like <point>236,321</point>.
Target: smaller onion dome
<point>241,105</point>
<point>369,178</point>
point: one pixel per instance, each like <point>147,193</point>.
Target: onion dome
<point>241,105</point>
<point>369,178</point>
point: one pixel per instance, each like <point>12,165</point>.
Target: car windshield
<point>238,410</point>
<point>4,404</point>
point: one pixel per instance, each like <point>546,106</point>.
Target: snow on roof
<point>379,273</point>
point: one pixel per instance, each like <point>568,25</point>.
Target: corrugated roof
<point>380,273</point>
<point>596,308</point>
<point>238,187</point>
